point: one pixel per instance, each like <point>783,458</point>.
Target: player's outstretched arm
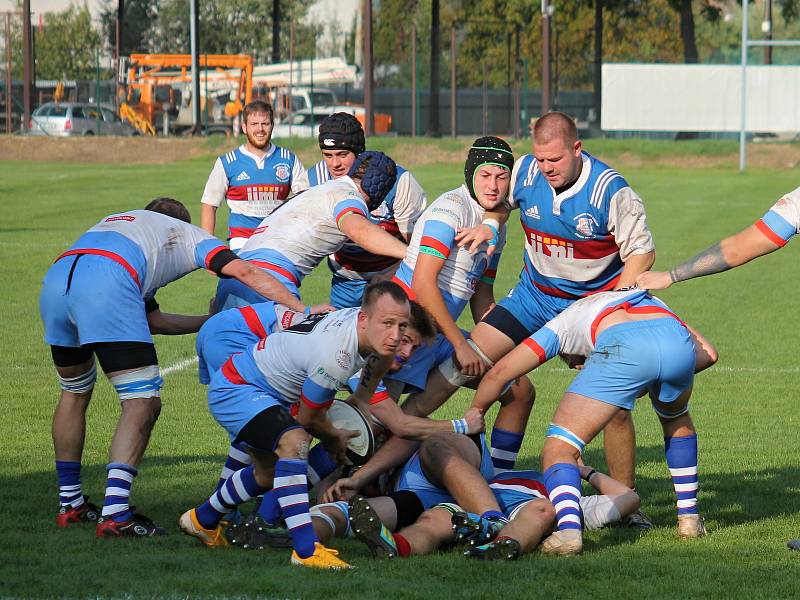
<point>419,428</point>
<point>624,498</point>
<point>171,324</point>
<point>394,452</point>
<point>263,283</point>
<point>731,252</point>
<point>371,237</point>
<point>518,362</point>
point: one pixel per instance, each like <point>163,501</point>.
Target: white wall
<point>654,97</point>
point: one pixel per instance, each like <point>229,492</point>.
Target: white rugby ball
<point>343,415</point>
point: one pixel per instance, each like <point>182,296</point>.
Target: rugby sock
<point>118,491</point>
<point>505,447</point>
<point>682,462</point>
<point>270,509</point>
<point>494,514</point>
<point>320,464</point>
<point>70,492</point>
<point>291,488</point>
<point>239,488</point>
<point>403,547</point>
<point>563,481</point>
<point>237,459</point>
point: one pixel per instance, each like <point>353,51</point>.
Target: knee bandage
<point>144,382</point>
<point>316,511</point>
<point>81,383</point>
<point>453,374</point>
<point>671,415</point>
<point>450,507</point>
<point>566,436</point>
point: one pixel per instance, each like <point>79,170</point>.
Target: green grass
<point>745,409</point>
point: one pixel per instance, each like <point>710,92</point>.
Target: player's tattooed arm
<point>371,374</point>
<point>708,262</point>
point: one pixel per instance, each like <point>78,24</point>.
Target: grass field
<point>745,409</point>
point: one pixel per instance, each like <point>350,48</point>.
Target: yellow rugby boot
<point>323,558</point>
<point>213,538</point>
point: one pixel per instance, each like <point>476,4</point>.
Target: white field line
<point>179,366</point>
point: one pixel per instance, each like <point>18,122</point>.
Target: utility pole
<point>413,79</point>
<point>9,90</point>
<point>119,47</point>
<point>27,53</point>
<point>598,59</point>
<point>766,28</point>
<point>195,45</point>
<point>547,13</point>
<point>453,114</point>
<point>436,46</point>
<point>369,102</point>
<point>276,31</point>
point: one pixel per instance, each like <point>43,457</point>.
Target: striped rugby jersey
<point>782,220</point>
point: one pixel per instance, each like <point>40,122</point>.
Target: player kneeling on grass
<point>632,343</point>
<point>98,298</point>
<point>252,395</point>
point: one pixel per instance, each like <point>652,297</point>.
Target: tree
<point>67,45</point>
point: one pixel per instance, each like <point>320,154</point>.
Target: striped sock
<point>682,462</point>
<point>320,464</point>
<point>270,509</point>
<point>239,488</point>
<point>563,481</point>
<point>70,492</point>
<point>237,459</point>
<point>291,488</point>
<point>118,491</point>
<point>505,447</point>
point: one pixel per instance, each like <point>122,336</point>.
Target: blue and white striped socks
<point>237,459</point>
<point>70,492</point>
<point>118,491</point>
<point>291,489</point>
<point>563,481</point>
<point>682,462</point>
<point>237,489</point>
<point>505,447</point>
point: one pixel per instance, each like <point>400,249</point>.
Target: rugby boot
<point>138,526</point>
<point>213,538</point>
<point>254,533</point>
<point>85,513</point>
<point>323,558</point>
<point>502,548</point>
<point>690,527</point>
<point>475,530</point>
<point>564,542</point>
<point>368,528</point>
<point>637,519</point>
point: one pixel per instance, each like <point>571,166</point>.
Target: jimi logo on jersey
<point>264,193</point>
<point>585,225</point>
<point>550,246</point>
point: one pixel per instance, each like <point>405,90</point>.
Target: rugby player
<point>444,278</point>
<point>98,298</point>
<point>254,179</point>
<point>252,395</point>
<point>631,343</point>
<point>295,239</point>
<point>769,233</point>
<point>585,232</point>
<point>341,139</point>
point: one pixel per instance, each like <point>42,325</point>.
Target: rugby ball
<point>343,415</point>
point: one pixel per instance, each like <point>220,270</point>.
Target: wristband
<point>460,426</point>
<point>494,226</point>
<point>307,310</point>
<point>589,475</point>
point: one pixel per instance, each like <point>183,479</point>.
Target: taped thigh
<point>144,382</point>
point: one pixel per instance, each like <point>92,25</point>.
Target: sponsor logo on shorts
<point>282,172</point>
<point>261,229</point>
<point>120,218</point>
<point>286,319</point>
<point>344,359</point>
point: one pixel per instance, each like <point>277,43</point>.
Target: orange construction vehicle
<point>158,90</point>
